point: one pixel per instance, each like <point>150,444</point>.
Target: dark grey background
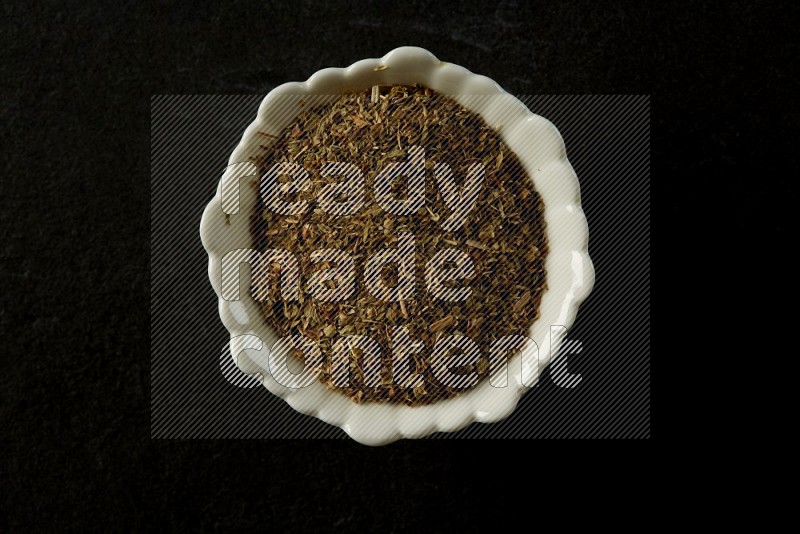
<point>608,143</point>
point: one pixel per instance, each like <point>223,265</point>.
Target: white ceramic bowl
<point>540,148</point>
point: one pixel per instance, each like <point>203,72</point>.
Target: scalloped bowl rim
<point>570,273</point>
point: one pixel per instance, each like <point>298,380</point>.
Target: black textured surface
<point>76,451</point>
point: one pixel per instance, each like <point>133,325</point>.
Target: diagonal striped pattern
<point>193,396</point>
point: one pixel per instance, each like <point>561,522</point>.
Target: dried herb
<point>504,234</point>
